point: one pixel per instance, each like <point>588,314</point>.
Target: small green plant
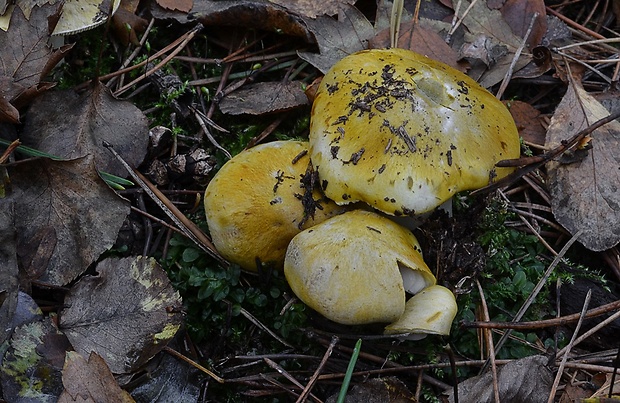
<point>215,296</point>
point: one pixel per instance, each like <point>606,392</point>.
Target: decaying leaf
<point>65,217</point>
<point>584,186</point>
<point>265,97</point>
<point>524,380</point>
<point>313,8</point>
<point>528,121</point>
<point>131,299</point>
<point>90,381</point>
<point>490,40</point>
<point>68,125</point>
<point>26,372</point>
<point>25,56</point>
<point>338,38</point>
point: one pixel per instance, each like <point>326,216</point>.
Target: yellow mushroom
<point>355,268</point>
<point>257,203</point>
<point>404,133</point>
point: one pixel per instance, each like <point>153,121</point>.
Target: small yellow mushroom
<point>355,268</point>
<point>257,203</point>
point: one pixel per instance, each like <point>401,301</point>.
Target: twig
<point>592,331</point>
<point>288,376</point>
<point>315,376</point>
<point>258,323</point>
<point>489,342</point>
<point>186,38</point>
<point>558,376</point>
<point>188,228</point>
<point>530,164</point>
<point>193,364</point>
<point>541,324</point>
<point>574,24</point>
<point>510,70</point>
<point>538,287</point>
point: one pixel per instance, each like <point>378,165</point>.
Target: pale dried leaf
<point>491,40</point>
<point>585,194</point>
<point>338,38</point>
<point>126,313</point>
<point>524,380</point>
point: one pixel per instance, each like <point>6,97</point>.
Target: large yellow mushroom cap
<point>256,203</point>
<point>348,268</point>
<point>404,133</point>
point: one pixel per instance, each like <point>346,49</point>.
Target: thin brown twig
<point>489,342</point>
<point>541,324</point>
<point>558,376</point>
<point>304,394</point>
<point>290,377</point>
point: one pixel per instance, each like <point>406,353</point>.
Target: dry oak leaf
<point>90,381</point>
<point>126,313</point>
<point>585,193</point>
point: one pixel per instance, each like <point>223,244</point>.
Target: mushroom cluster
<point>390,128</point>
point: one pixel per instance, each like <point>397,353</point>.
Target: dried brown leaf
<point>25,56</point>
<point>126,313</point>
<point>527,119</point>
<point>524,380</point>
<point>68,125</point>
<point>584,191</point>
<point>518,14</point>
<point>490,40</point>
<point>65,217</point>
<point>90,381</point>
<point>420,39</point>
<point>266,97</point>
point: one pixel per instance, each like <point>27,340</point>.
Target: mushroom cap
<point>431,311</point>
<point>404,133</point>
<point>348,268</point>
<point>255,203</point>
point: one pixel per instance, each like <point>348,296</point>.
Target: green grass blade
<point>347,377</point>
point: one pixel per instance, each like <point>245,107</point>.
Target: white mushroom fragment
<point>431,311</point>
<point>260,199</point>
<point>348,268</point>
<point>404,133</point>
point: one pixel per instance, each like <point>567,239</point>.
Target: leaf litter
<point>58,251</point>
